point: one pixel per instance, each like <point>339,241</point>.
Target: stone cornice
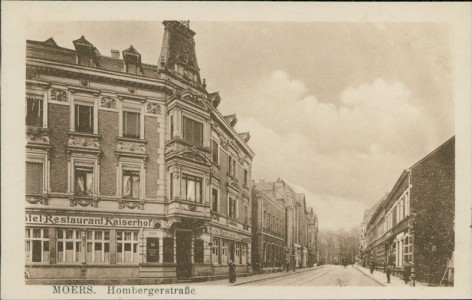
<point>123,79</point>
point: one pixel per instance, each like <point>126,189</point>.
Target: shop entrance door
<point>184,254</point>
<point>231,251</point>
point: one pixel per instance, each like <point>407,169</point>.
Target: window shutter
<point>34,178</point>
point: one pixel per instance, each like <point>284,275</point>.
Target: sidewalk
<point>254,278</point>
<point>381,278</point>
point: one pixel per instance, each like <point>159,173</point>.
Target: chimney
<point>115,54</point>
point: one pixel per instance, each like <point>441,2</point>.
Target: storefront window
<point>224,252</point>
<point>216,251</point>
<point>37,245</point>
<point>237,253</point>
<point>127,246</point>
<point>98,246</point>
<point>69,245</point>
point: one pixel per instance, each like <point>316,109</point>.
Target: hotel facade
<point>132,173</point>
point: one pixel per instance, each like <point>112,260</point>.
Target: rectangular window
<point>407,204</point>
<point>193,132</point>
<point>214,200</point>
<point>231,166</point>
<point>34,178</point>
<point>171,126</point>
<point>69,245</point>
<point>214,151</point>
<point>394,216</point>
<point>98,246</point>
<point>131,184</point>
<point>216,251</point>
<point>34,112</point>
<point>264,223</point>
<point>191,188</point>
<point>168,244</point>
<point>245,178</point>
<point>232,208</point>
<point>245,215</point>
<point>237,253</point>
<point>37,245</point>
<point>131,124</point>
<point>83,118</point>
<point>171,186</point>
<point>83,181</point>
<point>198,251</point>
<point>127,246</point>
<point>224,251</point>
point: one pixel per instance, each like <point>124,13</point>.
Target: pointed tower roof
<point>178,48</point>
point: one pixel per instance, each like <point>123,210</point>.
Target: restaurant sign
<point>226,234</point>
<point>48,219</point>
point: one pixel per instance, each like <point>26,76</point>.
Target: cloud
<point>345,155</point>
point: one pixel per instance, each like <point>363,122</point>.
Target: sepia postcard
<point>247,150</point>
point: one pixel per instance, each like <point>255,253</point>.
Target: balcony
<point>179,149</point>
<point>182,208</point>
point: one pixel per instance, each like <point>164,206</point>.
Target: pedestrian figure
<point>406,273</point>
<point>232,271</point>
<point>388,270</point>
<point>287,265</point>
<point>372,267</point>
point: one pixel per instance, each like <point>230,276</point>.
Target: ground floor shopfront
<point>98,248</point>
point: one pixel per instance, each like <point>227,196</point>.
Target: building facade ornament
<point>59,95</point>
<point>153,108</point>
<point>108,102</point>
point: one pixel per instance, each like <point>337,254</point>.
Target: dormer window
<point>132,60</point>
<point>86,52</point>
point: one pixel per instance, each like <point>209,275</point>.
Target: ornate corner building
<point>133,175</point>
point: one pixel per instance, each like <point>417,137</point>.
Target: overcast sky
<point>337,110</point>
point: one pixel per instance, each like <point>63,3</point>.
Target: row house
<point>300,227</point>
<point>132,173</point>
<point>268,231</point>
<point>413,225</point>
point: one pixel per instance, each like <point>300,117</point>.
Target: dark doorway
<point>184,254</point>
<point>231,251</point>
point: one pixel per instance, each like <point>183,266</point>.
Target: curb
<point>369,276</point>
<point>283,274</point>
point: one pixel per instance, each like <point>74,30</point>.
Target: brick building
<point>268,231</point>
<point>413,225</point>
<point>301,225</point>
<point>132,172</point>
